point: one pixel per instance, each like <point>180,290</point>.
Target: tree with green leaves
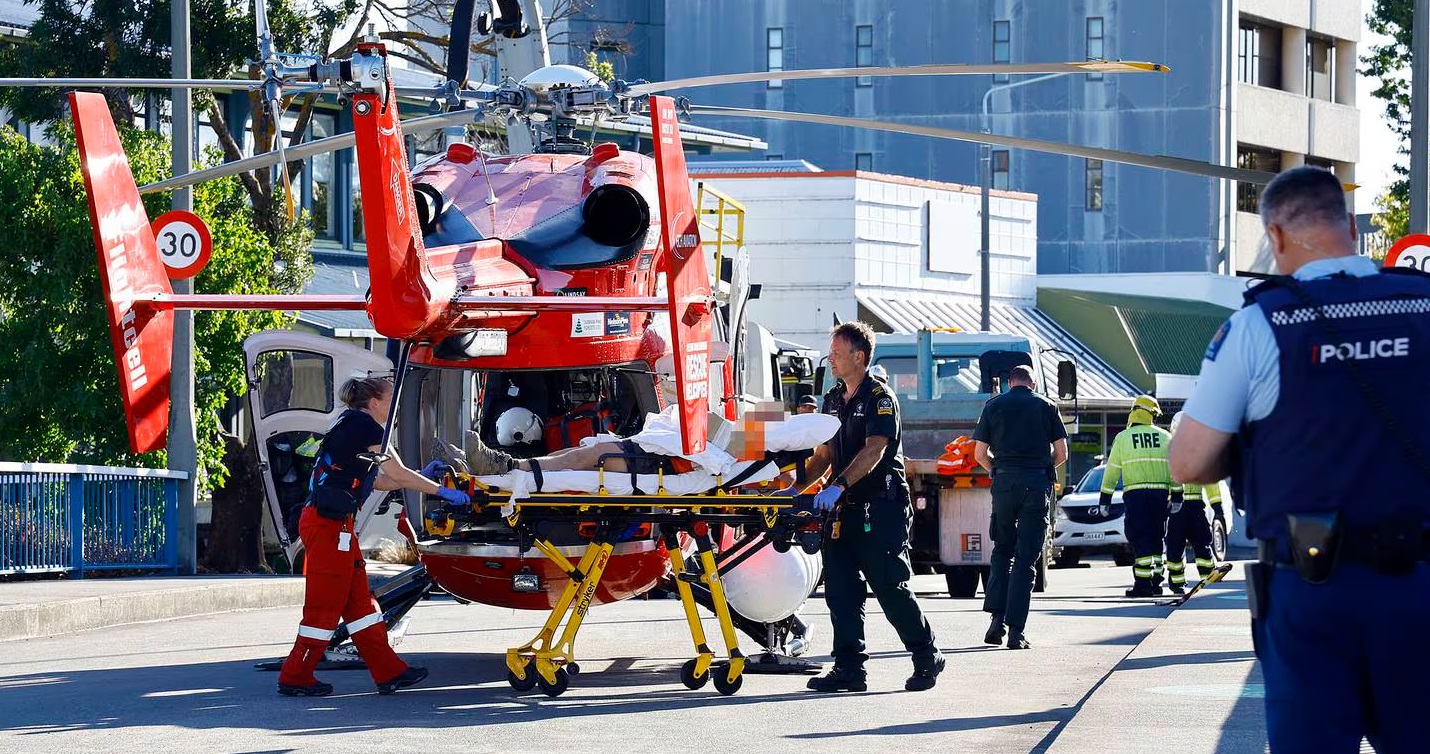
<point>59,394</point>
<point>1390,64</point>
<point>59,391</point>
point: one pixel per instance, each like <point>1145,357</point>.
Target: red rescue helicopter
<point>568,281</point>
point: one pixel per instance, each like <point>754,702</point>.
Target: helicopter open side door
<point>293,382</point>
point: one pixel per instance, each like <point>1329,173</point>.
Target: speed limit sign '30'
<point>184,243</point>
<point>1412,251</point>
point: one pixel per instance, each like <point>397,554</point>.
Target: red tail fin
<point>405,297</point>
<point>129,269</point>
<point>688,280</point>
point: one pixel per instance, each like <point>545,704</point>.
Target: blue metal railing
<point>57,517</point>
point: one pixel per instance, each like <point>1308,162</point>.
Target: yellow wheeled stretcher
<point>548,661</point>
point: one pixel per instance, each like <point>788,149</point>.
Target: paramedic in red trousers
<point>1312,399</point>
<point>336,577</point>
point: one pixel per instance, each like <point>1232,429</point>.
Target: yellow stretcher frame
<point>548,661</point>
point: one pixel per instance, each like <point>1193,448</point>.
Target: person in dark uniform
<point>1307,400</point>
<point>869,534</point>
<point>334,571</point>
<point>1024,434</point>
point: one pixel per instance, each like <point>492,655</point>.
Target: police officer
<point>1187,525</point>
<point>1139,459</point>
<point>869,536</point>
<point>1318,382</point>
<point>334,571</point>
<point>1027,440</point>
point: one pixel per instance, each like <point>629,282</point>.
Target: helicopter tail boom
<point>130,272</point>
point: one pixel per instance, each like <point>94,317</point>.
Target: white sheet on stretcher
<point>523,483</point>
<point>661,434</point>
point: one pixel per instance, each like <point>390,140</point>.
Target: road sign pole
<point>1419,115</point>
<point>183,440</point>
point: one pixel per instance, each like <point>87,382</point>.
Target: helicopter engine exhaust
<point>615,215</point>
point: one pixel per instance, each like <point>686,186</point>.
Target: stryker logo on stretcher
<point>123,295</point>
<point>1386,348</point>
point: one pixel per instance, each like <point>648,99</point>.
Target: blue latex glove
<point>434,470</point>
<point>828,497</point>
<point>454,496</point>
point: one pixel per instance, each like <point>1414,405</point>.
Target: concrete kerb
<point>192,597</point>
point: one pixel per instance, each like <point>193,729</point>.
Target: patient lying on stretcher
<point>764,443</point>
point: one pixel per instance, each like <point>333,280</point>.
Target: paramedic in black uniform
<point>869,534</point>
<point>1020,441</point>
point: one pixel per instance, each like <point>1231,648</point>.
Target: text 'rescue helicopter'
<point>567,280</point>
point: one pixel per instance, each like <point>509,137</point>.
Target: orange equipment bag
<point>957,457</point>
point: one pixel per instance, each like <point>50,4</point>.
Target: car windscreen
<point>1092,481</point>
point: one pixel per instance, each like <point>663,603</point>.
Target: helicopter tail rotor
<point>130,273</point>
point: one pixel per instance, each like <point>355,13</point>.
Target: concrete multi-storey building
<point>1265,83</point>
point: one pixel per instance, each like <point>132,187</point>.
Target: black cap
<point>808,400</point>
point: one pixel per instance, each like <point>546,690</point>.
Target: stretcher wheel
<point>780,544</point>
<point>572,668</point>
<point>563,682</point>
<point>726,687</point>
<point>522,684</point>
<point>690,679</point>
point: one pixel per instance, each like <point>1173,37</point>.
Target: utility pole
<point>183,441</point>
<point>1419,114</point>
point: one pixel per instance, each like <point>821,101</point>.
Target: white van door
<point>293,382</point>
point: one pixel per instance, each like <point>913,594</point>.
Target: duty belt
<point>1354,546</point>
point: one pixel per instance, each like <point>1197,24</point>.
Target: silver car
<point>1080,528</point>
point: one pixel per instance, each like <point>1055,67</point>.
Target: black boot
<point>318,688</point>
<point>1176,588</point>
<point>996,630</point>
<point>1144,588</point>
<point>925,677</point>
<point>1016,640</point>
<point>840,679</point>
<point>408,677</point>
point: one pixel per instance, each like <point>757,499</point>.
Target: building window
<point>1248,196</point>
<point>1095,49</point>
<point>1259,55</point>
<point>1002,47</point>
<point>775,54</point>
<point>1000,169</point>
<point>1093,185</point>
<point>325,223</point>
<point>772,156</point>
<point>864,53</point>
<point>863,161</point>
<point>1321,68</point>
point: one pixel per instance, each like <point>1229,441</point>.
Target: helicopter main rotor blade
<point>112,83</point>
<point>957,69</point>
<point>459,42</point>
<point>1158,162</point>
<point>302,152</point>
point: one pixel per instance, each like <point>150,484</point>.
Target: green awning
<point>1141,336</point>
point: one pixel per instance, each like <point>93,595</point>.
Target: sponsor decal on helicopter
<point>123,296</point>
<point>697,371</point>
<point>588,325</point>
<point>399,205</point>
<point>618,323</point>
<point>570,291</point>
<point>667,125</point>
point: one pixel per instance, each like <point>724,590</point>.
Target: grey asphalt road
<point>189,685</point>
